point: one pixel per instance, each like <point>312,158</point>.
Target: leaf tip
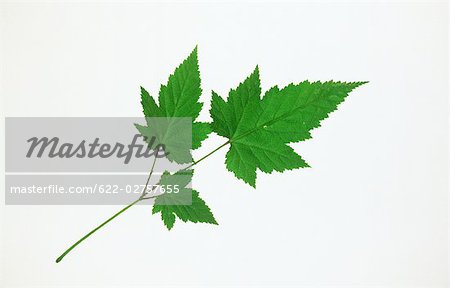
<point>143,91</point>
<point>251,182</point>
<point>194,52</point>
<point>256,71</point>
<point>358,83</point>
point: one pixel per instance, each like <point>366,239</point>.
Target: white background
<point>372,210</point>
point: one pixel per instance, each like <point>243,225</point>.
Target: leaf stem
<point>206,156</point>
<point>144,190</point>
<point>141,198</point>
<point>93,231</point>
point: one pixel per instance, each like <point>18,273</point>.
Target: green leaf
<point>180,98</point>
<point>185,205</point>
<point>260,129</point>
<point>200,131</point>
<point>149,106</point>
<point>197,212</point>
<point>237,114</point>
<point>173,133</point>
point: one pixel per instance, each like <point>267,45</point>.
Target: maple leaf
<point>185,204</point>
<point>259,129</point>
<point>178,98</point>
